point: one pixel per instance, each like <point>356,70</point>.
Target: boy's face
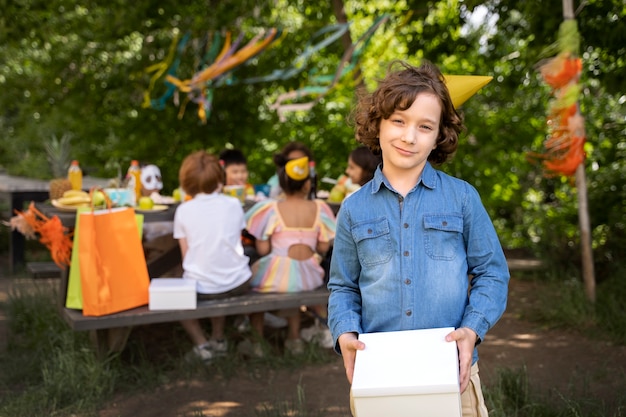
<point>407,137</point>
<point>236,174</point>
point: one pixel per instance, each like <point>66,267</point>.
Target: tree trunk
<point>346,39</point>
<point>583,210</point>
<point>340,15</point>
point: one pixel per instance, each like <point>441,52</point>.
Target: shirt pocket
<point>373,242</point>
<point>443,236</point>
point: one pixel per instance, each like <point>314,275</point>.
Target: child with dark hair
<point>208,228</point>
<point>291,150</point>
<point>292,236</point>
<point>362,164</point>
<point>235,167</point>
<point>408,240</point>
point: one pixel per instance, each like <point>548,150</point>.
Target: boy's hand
<point>465,341</point>
<point>349,344</point>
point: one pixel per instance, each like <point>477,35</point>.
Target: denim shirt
<point>430,259</point>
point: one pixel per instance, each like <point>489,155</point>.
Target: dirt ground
<point>555,362</point>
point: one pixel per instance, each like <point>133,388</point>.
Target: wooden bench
<point>109,333</point>
<point>43,269</point>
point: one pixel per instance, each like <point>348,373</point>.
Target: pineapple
<point>58,186</point>
<point>58,155</point>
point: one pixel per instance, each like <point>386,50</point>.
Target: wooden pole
<point>583,210</point>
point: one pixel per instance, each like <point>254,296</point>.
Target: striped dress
<point>276,271</point>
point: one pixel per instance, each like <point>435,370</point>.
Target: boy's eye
<point>426,127</point>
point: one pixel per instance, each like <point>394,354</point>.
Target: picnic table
<point>110,332</point>
<point>23,190</point>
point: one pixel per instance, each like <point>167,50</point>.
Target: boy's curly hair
<point>397,91</point>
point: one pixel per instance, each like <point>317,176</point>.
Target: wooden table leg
<point>107,341</point>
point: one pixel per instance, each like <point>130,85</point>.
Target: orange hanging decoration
<point>52,234</point>
<point>560,70</point>
<point>564,145</point>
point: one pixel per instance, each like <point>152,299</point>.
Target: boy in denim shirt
<point>407,241</point>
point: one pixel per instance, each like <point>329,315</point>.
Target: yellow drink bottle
<point>75,175</point>
<point>134,179</point>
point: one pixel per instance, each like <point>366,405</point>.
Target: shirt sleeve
<point>488,267</point>
<point>344,302</point>
<point>328,224</point>
<point>261,219</point>
<point>179,230</point>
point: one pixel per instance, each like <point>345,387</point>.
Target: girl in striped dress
<point>292,237</point>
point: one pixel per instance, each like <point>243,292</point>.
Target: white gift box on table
<point>172,294</point>
<point>406,374</point>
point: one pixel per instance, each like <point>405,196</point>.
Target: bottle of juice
<point>75,175</point>
<point>133,177</point>
<point>313,176</point>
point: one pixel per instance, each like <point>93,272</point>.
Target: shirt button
<point>407,281</point>
<point>406,253</point>
<point>445,223</point>
<point>406,225</point>
<point>408,313</point>
<point>369,231</point>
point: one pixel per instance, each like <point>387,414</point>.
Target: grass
<point>46,368</point>
<point>51,370</point>
<point>562,304</point>
<point>512,396</point>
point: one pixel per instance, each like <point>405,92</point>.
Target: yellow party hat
<point>298,169</point>
<point>462,87</point>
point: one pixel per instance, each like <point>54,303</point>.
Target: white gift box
<point>407,373</point>
<point>172,294</point>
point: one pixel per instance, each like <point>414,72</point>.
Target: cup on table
<point>121,196</point>
<point>263,189</point>
<point>237,191</point>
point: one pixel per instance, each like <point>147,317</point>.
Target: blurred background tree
<point>79,69</point>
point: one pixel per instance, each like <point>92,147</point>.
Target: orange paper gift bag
<point>113,271</point>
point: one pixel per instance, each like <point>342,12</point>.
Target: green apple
<point>176,194</point>
<point>336,195</point>
<point>98,198</point>
<point>145,203</point>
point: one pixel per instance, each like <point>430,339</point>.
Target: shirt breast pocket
<point>443,236</point>
<point>373,242</point>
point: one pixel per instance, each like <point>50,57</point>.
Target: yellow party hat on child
<point>298,169</point>
<point>462,87</point>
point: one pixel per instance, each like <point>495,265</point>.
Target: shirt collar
<point>205,196</point>
<point>428,178</point>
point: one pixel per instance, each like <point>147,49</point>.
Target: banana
<point>74,201</point>
<point>75,193</point>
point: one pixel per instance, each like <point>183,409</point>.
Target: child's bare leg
<point>257,323</point>
<point>293,331</point>
<point>217,327</point>
<point>321,311</point>
<point>194,330</point>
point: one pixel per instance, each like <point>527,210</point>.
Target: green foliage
<point>48,368</point>
<point>67,70</point>
<point>610,314</point>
